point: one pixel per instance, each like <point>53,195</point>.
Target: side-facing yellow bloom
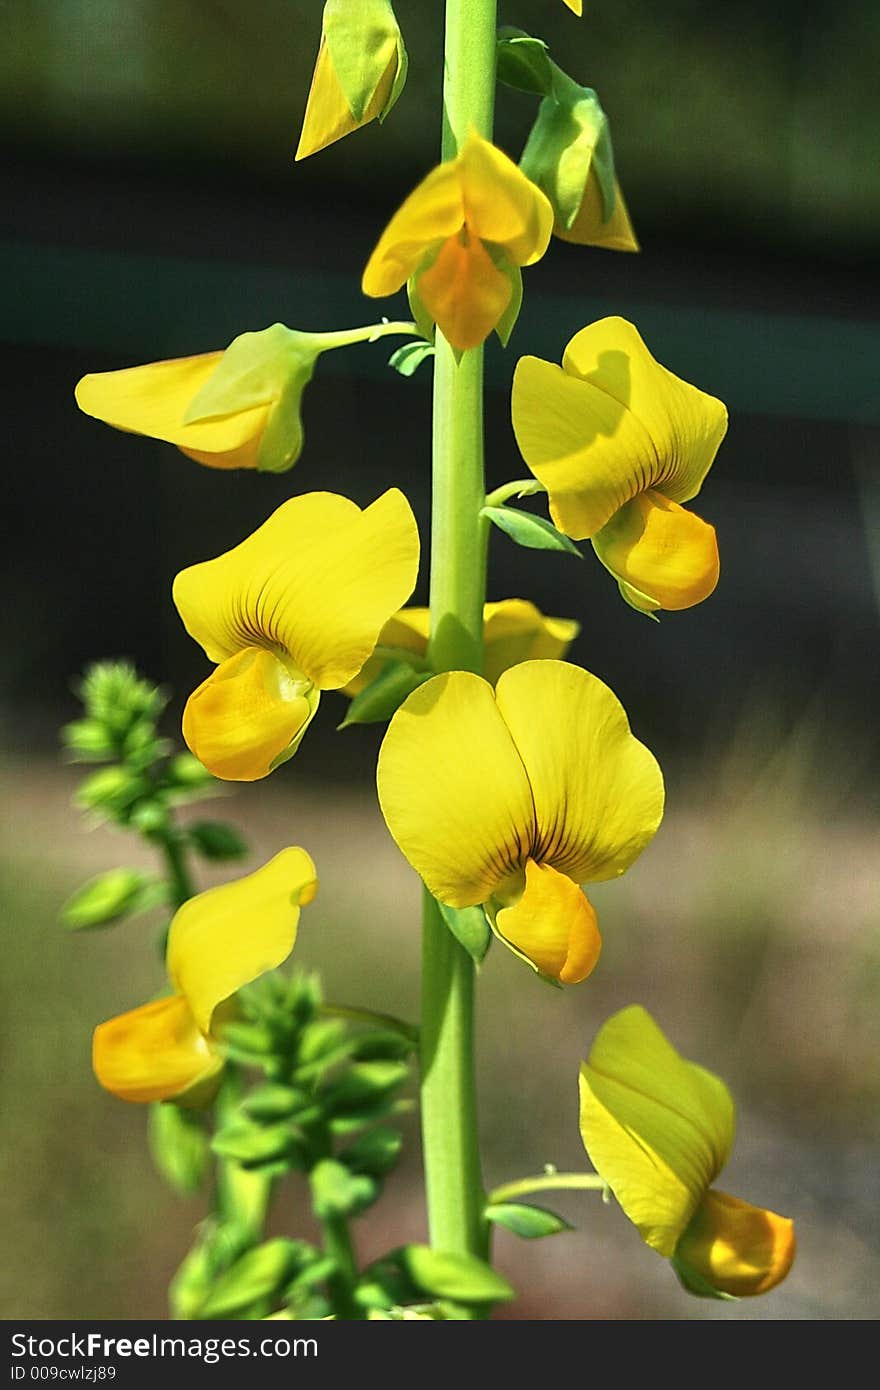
<point>514,630</point>
<point>295,609</point>
<point>593,226</point>
<point>460,239</point>
<point>240,408</point>
<point>619,443</point>
<point>513,797</point>
<point>217,942</point>
<point>659,1129</point>
<point>359,73</point>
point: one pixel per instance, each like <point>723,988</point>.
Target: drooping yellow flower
<point>359,74</point>
<point>619,443</point>
<point>659,1129</point>
<point>460,240</point>
<point>513,797</point>
<point>218,942</point>
<point>593,227</point>
<point>514,630</point>
<point>240,408</point>
<point>295,609</point>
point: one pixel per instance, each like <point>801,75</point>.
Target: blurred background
<point>152,209</point>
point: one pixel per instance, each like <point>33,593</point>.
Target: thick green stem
<point>458,588</point>
<point>343,1281</point>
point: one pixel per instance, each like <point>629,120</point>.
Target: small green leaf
<point>382,1045</point>
<point>216,840</point>
<point>384,695</point>
<point>88,741</point>
<point>257,1275</point>
<point>106,899</point>
<point>111,792</point>
<point>407,359</point>
<point>524,62</point>
<point>273,1101</point>
<point>363,1085</point>
<point>456,1276</point>
<point>470,929</point>
<point>337,1192</point>
<point>527,1221</point>
<point>533,532</point>
<point>179,1145</point>
<point>374,1153</point>
<point>187,773</point>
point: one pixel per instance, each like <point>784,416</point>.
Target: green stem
<point>179,877</point>
<point>345,337</point>
<point>453,1181</point>
<point>520,487</point>
<point>546,1182</point>
<point>343,1281</point>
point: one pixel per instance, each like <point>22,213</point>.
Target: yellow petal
<point>661,550</point>
<point>226,937</point>
<point>317,581</point>
<point>433,212</point>
<point>656,1127</point>
<point>155,1052</point>
<point>464,292</point>
<point>598,792</point>
<point>736,1248</point>
<point>514,630</point>
<point>249,712</point>
<point>328,115</point>
<point>590,227</point>
<point>609,424</point>
<point>453,790</point>
<point>576,6</point>
<point>407,631</point>
<point>501,205</point>
<point>553,925</point>
<point>153,400</point>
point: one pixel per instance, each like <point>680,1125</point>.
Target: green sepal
<point>444,1274</point>
<point>88,741</point>
<point>216,839</point>
<point>423,321</point>
<point>364,1086</point>
<point>179,1146</point>
<point>363,38</point>
<point>524,62</point>
<point>274,1101</point>
<point>256,1276</point>
<point>338,1193</point>
<point>186,774</point>
<point>374,1153</point>
<point>694,1283</point>
<point>110,897</point>
<point>112,792</point>
<point>384,695</point>
<point>470,928</point>
<point>533,532</point>
<point>569,140</point>
<point>531,1223</point>
<point>407,359</point>
<point>512,273</point>
<point>382,1045</point>
<point>253,1145</point>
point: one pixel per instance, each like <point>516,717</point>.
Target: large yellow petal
<point>590,227</point>
<point>155,1052</point>
<point>226,937</point>
<point>328,115</point>
<point>153,400</point>
<point>431,213</point>
<point>317,581</point>
<point>656,1127</point>
<point>501,205</point>
<point>247,714</point>
<point>464,292</point>
<point>736,1248</point>
<point>609,424</point>
<point>453,790</point>
<point>661,550</point>
<point>598,792</point>
<point>514,630</point>
<point>553,925</point>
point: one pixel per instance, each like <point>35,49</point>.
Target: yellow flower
<point>513,797</point>
<point>593,227</point>
<point>460,239</point>
<point>576,6</point>
<point>218,942</point>
<point>659,1129</point>
<point>359,73</point>
<point>514,630</point>
<point>240,408</point>
<point>619,443</point>
<point>295,609</point>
